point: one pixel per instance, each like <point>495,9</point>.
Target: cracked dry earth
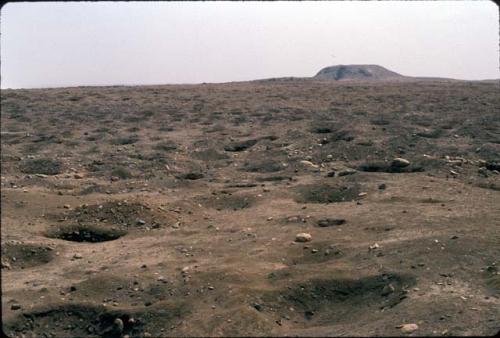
<point>174,210</point>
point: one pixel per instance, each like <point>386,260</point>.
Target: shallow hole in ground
<point>328,222</point>
<point>339,299</point>
<point>75,320</point>
<point>86,233</point>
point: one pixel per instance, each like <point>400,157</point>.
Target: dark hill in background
<point>357,72</point>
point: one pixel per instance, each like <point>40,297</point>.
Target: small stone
<point>141,222</point>
<point>374,246</point>
<point>15,306</point>
<point>115,178</point>
<point>303,237</point>
<point>77,256</point>
<point>409,328</point>
<point>257,306</point>
<point>67,206</point>
<point>400,162</point>
<point>78,176</point>
<point>309,164</point>
<point>382,186</point>
<point>347,172</point>
<point>118,325</point>
<point>387,290</point>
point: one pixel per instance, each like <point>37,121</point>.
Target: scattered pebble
<point>303,237</point>
<point>400,162</point>
<point>409,328</point>
<point>15,306</point>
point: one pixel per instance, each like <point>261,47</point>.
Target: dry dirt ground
<point>173,210</point>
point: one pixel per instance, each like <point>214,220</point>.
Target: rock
<point>309,164</point>
<point>346,172</point>
<point>67,206</point>
<point>409,328</point>
<point>77,256</point>
<point>387,290</point>
<point>382,186</point>
<point>15,306</point>
<point>374,246</point>
<point>115,178</point>
<point>303,237</point>
<point>330,174</point>
<point>141,222</point>
<point>78,176</point>
<point>400,162</point>
<point>257,306</point>
<point>6,265</point>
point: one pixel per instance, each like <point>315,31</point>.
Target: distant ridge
<point>358,72</point>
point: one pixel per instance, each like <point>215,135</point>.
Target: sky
<point>57,44</point>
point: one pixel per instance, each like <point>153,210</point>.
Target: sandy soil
<point>174,210</point>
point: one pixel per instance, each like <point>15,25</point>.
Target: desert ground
<point>284,207</point>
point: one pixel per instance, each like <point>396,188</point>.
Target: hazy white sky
<point>70,44</point>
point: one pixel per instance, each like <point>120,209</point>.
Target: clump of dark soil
<point>209,155</point>
<point>328,222</point>
<point>266,166</point>
<point>46,166</point>
<point>86,233</point>
<point>387,167</point>
<point>240,146</point>
<point>191,176</point>
<point>331,299</point>
<point>327,193</point>
<point>165,146</point>
<point>22,256</point>
<point>228,201</point>
<point>121,172</point>
<point>125,140</point>
<point>273,178</point>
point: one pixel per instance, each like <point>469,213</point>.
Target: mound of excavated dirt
<point>45,166</point>
<point>227,201</point>
<point>119,213</point>
<point>327,193</point>
<point>21,256</point>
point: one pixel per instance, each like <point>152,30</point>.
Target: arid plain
<point>174,210</point>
